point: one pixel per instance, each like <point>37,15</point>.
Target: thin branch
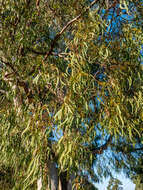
<point>65,27</point>
<point>10,66</point>
<point>19,82</point>
<point>137,149</point>
<point>62,54</point>
<point>126,148</point>
<point>36,52</point>
<point>131,149</point>
<point>100,149</point>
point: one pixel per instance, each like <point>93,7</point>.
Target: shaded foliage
<point>71,85</point>
<point>114,184</point>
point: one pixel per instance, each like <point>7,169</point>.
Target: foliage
<point>128,157</point>
<point>70,80</point>
<point>138,181</point>
<point>114,184</point>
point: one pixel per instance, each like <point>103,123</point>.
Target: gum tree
<point>71,83</point>
<point>114,184</point>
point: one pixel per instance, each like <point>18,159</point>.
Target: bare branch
<point>65,27</point>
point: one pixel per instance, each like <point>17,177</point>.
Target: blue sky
<point>127,183</point>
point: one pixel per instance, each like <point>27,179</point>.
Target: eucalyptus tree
<point>130,161</point>
<point>69,70</point>
<point>114,184</point>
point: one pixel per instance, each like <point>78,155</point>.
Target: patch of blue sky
<point>101,76</point>
<point>91,106</point>
<point>57,133</point>
<point>98,101</point>
<point>127,184</point>
<point>52,33</point>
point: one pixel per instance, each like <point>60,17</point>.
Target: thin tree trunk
<point>56,182</point>
<point>53,179</point>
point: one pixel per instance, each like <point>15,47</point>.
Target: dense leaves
<point>71,82</point>
<point>114,184</point>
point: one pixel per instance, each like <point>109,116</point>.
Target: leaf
<point>36,79</point>
<point>58,115</point>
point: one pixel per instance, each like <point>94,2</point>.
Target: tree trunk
<point>53,179</point>
<point>56,182</point>
<point>66,184</point>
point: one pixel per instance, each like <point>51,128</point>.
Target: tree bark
<point>39,183</point>
<point>66,183</point>
<point>53,179</point>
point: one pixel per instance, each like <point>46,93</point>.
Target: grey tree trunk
<point>53,179</point>
<point>56,182</point>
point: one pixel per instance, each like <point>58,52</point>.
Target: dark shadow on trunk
<point>64,182</point>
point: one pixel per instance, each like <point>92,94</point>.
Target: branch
<point>100,149</point>
<point>65,27</point>
<point>131,149</point>
<point>125,148</point>
<point>36,52</point>
<point>137,149</point>
<point>19,82</point>
<point>10,66</point>
<point>59,93</point>
<point>61,55</point>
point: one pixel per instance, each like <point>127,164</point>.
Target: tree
<point>137,174</point>
<point>138,181</point>
<point>128,158</point>
<point>70,85</point>
<point>114,184</point>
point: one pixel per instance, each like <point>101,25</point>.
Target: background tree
<point>128,157</point>
<point>71,86</point>
<point>114,184</point>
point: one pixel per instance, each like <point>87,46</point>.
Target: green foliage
<point>138,181</point>
<point>137,173</point>
<point>114,184</point>
<point>52,55</point>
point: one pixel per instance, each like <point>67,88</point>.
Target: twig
<point>44,53</point>
<point>19,82</point>
<point>10,66</point>
<point>36,52</point>
<point>65,27</point>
